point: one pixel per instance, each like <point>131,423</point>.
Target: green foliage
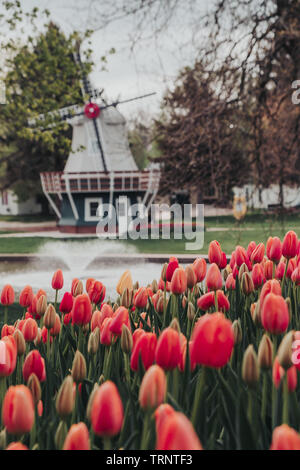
<point>42,76</point>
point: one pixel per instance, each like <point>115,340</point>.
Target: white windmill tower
<point>100,168</point>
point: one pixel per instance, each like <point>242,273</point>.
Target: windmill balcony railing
<point>60,182</point>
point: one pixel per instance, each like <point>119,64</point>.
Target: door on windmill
<point>92,209</point>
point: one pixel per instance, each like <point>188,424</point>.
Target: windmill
<point>100,168</point>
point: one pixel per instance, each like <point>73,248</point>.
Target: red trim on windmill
<point>91,110</point>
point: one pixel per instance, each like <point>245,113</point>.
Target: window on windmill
<point>4,197</point>
<point>93,209</point>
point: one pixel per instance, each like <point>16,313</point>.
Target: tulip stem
<point>285,409</point>
<point>264,397</point>
<point>106,443</point>
<point>284,276</point>
<point>55,303</point>
<point>216,301</point>
<point>5,314</point>
<point>146,427</point>
<point>198,396</point>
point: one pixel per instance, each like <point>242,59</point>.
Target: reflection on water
<point>74,258</point>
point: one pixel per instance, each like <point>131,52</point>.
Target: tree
<point>201,145</point>
<point>42,76</point>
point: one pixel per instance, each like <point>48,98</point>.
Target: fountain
<point>81,259</point>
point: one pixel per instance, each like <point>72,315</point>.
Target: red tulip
<point>277,373</point>
<point>7,330</point>
<point>179,281</point>
<point>88,283</point>
<point>145,348</point>
<point>241,256</point>
<point>207,301</point>
<point>199,266</point>
<point>136,336</point>
<point>291,267</point>
<point>161,413</point>
<point>26,296</point>
<point>34,364</point>
<point>7,295</point>
<point>120,318</point>
<point>107,410</point>
<point>8,355</point>
<point>290,245</point>
<point>275,314</point>
<point>30,330</point>
<point>82,310</point>
<point>57,280</point>
<point>230,282</point>
<point>16,446</point>
<point>105,333</point>
<point>214,253</point>
<point>168,350</point>
<point>96,292</point>
<point>292,379</point>
<point>44,336</point>
<point>153,388</point>
<point>106,312</point>
<point>268,269</point>
<point>173,264</point>
<point>271,286</point>
<point>258,253</point>
<point>257,275</point>
<point>232,262</point>
<point>251,247</point>
<point>140,298</point>
<point>55,330</point>
<point>296,276</point>
<point>77,438</point>
<point>176,432</point>
<point>18,410</point>
<point>212,340</point>
<point>213,278</point>
<point>66,304</point>
<point>274,250</point>
<point>285,438</point>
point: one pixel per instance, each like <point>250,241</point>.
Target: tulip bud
<point>247,285</point>
<point>289,304</point>
<point>196,291</point>
<point>78,368</point>
<point>265,353</point>
<point>136,286</point>
<point>184,301</point>
<point>38,337</point>
<point>154,286</point>
<point>101,379</point>
<point>256,313</point>
<point>164,272</point>
<point>250,367</point>
<point>50,317</point>
<point>78,289</point>
<point>90,402</point>
<point>20,342</point>
<point>237,331</point>
<point>226,272</point>
<point>153,388</point>
<point>60,435</point>
<point>175,325</point>
<point>65,398</point>
<point>191,312</point>
<point>93,342</point>
<point>126,298</point>
<point>243,269</point>
<point>35,387</point>
<point>3,439</point>
<point>115,307</point>
<point>41,305</point>
<point>284,353</point>
<point>160,304</point>
<point>191,276</point>
<point>126,339</point>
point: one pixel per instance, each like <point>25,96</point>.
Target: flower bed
<point>206,357</point>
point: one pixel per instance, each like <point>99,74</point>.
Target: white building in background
<point>9,205</point>
<point>268,197</point>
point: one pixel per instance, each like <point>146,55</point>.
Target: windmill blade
<point>65,114</point>
<point>97,132</point>
<point>127,101</point>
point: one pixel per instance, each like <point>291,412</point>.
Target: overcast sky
<point>150,67</point>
